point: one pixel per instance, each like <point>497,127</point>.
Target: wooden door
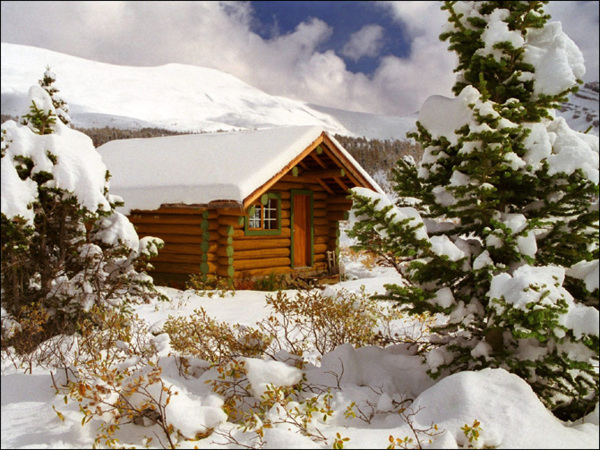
<point>302,230</point>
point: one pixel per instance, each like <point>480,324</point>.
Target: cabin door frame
<point>302,229</point>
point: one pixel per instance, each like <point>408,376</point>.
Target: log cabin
<point>237,204</point>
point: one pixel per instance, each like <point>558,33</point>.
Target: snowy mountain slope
<point>174,96</point>
<point>189,98</point>
<point>581,111</point>
<point>371,125</point>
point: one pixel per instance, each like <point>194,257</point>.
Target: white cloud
<point>365,42</point>
<point>420,18</point>
<point>219,35</point>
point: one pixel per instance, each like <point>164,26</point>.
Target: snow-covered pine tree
<point>496,228</point>
<point>60,106</point>
<point>64,246</point>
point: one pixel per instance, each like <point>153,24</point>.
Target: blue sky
<point>275,18</point>
<point>380,57</point>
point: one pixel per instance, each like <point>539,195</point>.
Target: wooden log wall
<point>187,234</point>
<point>213,242</point>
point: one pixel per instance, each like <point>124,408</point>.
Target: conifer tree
<point>65,248</point>
<point>496,228</point>
<point>60,106</point>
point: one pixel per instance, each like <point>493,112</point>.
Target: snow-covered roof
<point>203,168</point>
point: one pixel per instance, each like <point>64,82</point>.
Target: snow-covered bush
<point>497,227</point>
<point>319,321</point>
<point>64,246</point>
<point>201,336</point>
<point>304,326</point>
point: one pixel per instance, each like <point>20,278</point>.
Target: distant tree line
<point>102,135</point>
<point>374,155</point>
<point>6,117</point>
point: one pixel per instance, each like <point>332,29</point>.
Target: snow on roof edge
<point>149,172</point>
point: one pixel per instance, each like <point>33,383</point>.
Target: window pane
<point>254,220</point>
<point>271,214</point>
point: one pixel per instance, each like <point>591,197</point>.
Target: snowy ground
<point>375,379</point>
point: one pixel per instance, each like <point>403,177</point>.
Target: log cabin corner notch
<point>237,204</point>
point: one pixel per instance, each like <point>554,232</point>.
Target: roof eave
<point>258,192</point>
<point>343,161</point>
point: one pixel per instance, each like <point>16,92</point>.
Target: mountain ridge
<point>581,111</point>
<point>175,97</point>
<point>185,98</point>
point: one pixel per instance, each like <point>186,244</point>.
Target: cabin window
<point>271,214</point>
<point>254,221</point>
<point>265,216</point>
